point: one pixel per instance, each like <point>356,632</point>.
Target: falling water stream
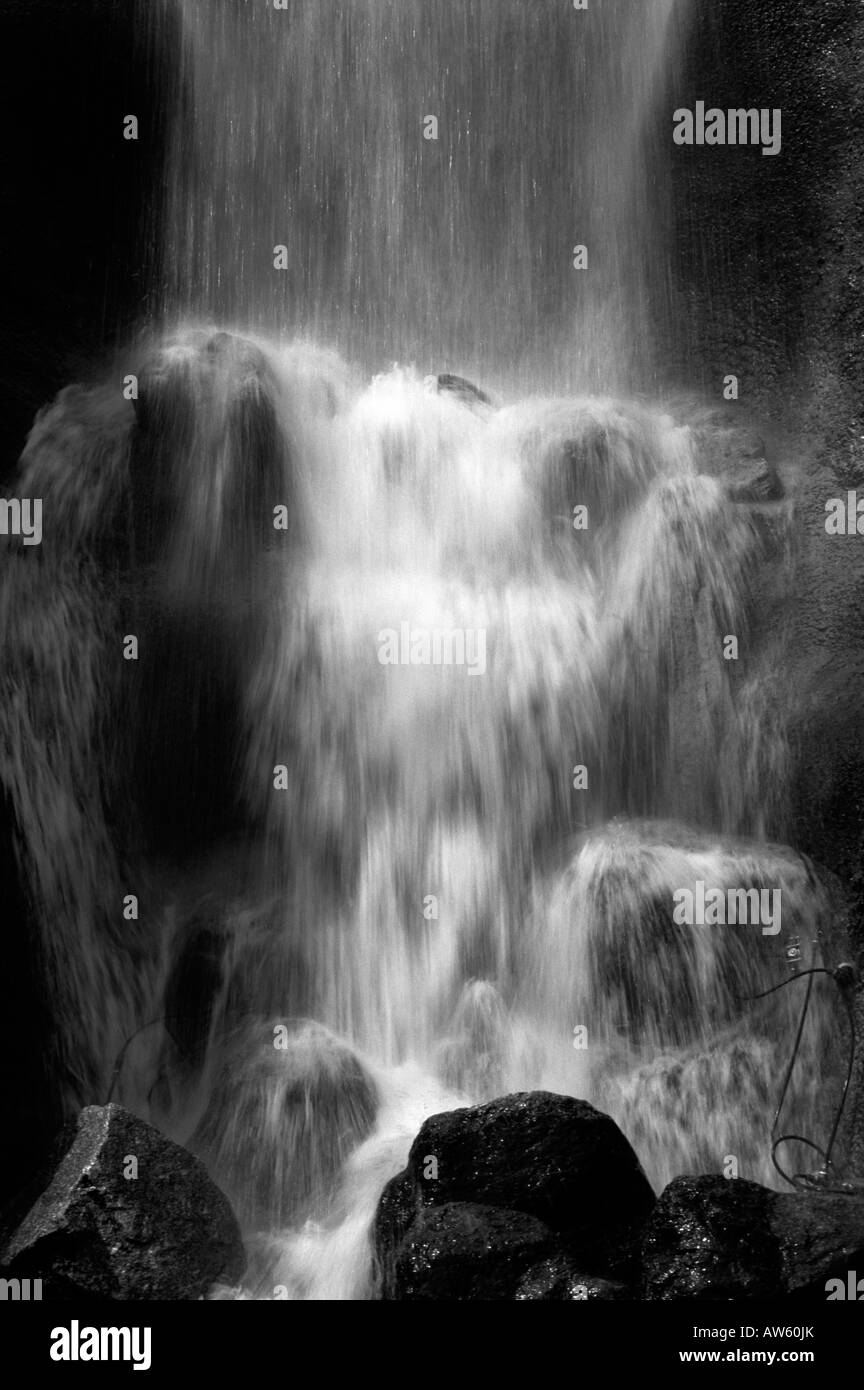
<point>306,127</point>
<point>414,900</point>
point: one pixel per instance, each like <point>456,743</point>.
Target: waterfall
<point>304,127</point>
<point>432,716</point>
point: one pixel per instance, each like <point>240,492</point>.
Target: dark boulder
<point>464,1250</point>
<point>127,1215</point>
<point>550,1157</point>
<point>713,1238</point>
<point>821,1237</point>
<point>710,1237</point>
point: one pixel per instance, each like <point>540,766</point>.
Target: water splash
<point>428,889</point>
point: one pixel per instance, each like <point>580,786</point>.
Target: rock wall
<point>78,201</point>
<point>770,265</point>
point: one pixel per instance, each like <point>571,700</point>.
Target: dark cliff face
<point>78,200</point>
<point>769,276</point>
<point>77,203</point>
<point>768,248</point>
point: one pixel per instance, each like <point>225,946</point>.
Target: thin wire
<point>121,1056</point>
<point>164,1019</point>
<point>799,1178</point>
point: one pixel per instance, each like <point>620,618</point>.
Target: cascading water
<point>377,883</point>
<point>305,127</point>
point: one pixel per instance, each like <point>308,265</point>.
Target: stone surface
<point>554,1157</point>
<point>464,1250</point>
<point>167,1233</point>
<point>821,1236</point>
<point>736,455</point>
<point>710,1238</point>
<point>753,480</point>
<point>393,1218</point>
<point>550,1157</point>
<point>714,1239</point>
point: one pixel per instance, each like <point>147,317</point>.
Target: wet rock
<point>552,1157</point>
<point>753,480</point>
<point>472,1061</point>
<point>127,1215</point>
<point>465,391</point>
<point>393,1218</point>
<point>209,460</point>
<point>821,1237</point>
<point>736,457</point>
<point>739,442</point>
<point>76,460</point>
<point>559,1280</point>
<point>286,1111</point>
<point>601,454</point>
<point>465,1250</point>
<point>711,1238</point>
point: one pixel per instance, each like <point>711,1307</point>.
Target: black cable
<point>164,1019</point>
<point>798,1179</point>
<point>797,1045</point>
<point>850,1013</point>
<point>799,975</point>
<point>121,1056</point>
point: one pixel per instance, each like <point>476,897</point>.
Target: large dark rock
<point>104,1229</point>
<point>712,1238</point>
<point>464,1250</point>
<point>709,1237</point>
<point>550,1157</point>
<point>820,1236</point>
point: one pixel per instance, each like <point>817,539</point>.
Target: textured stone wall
<point>770,272</point>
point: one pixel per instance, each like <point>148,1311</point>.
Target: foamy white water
<point>422,910</point>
